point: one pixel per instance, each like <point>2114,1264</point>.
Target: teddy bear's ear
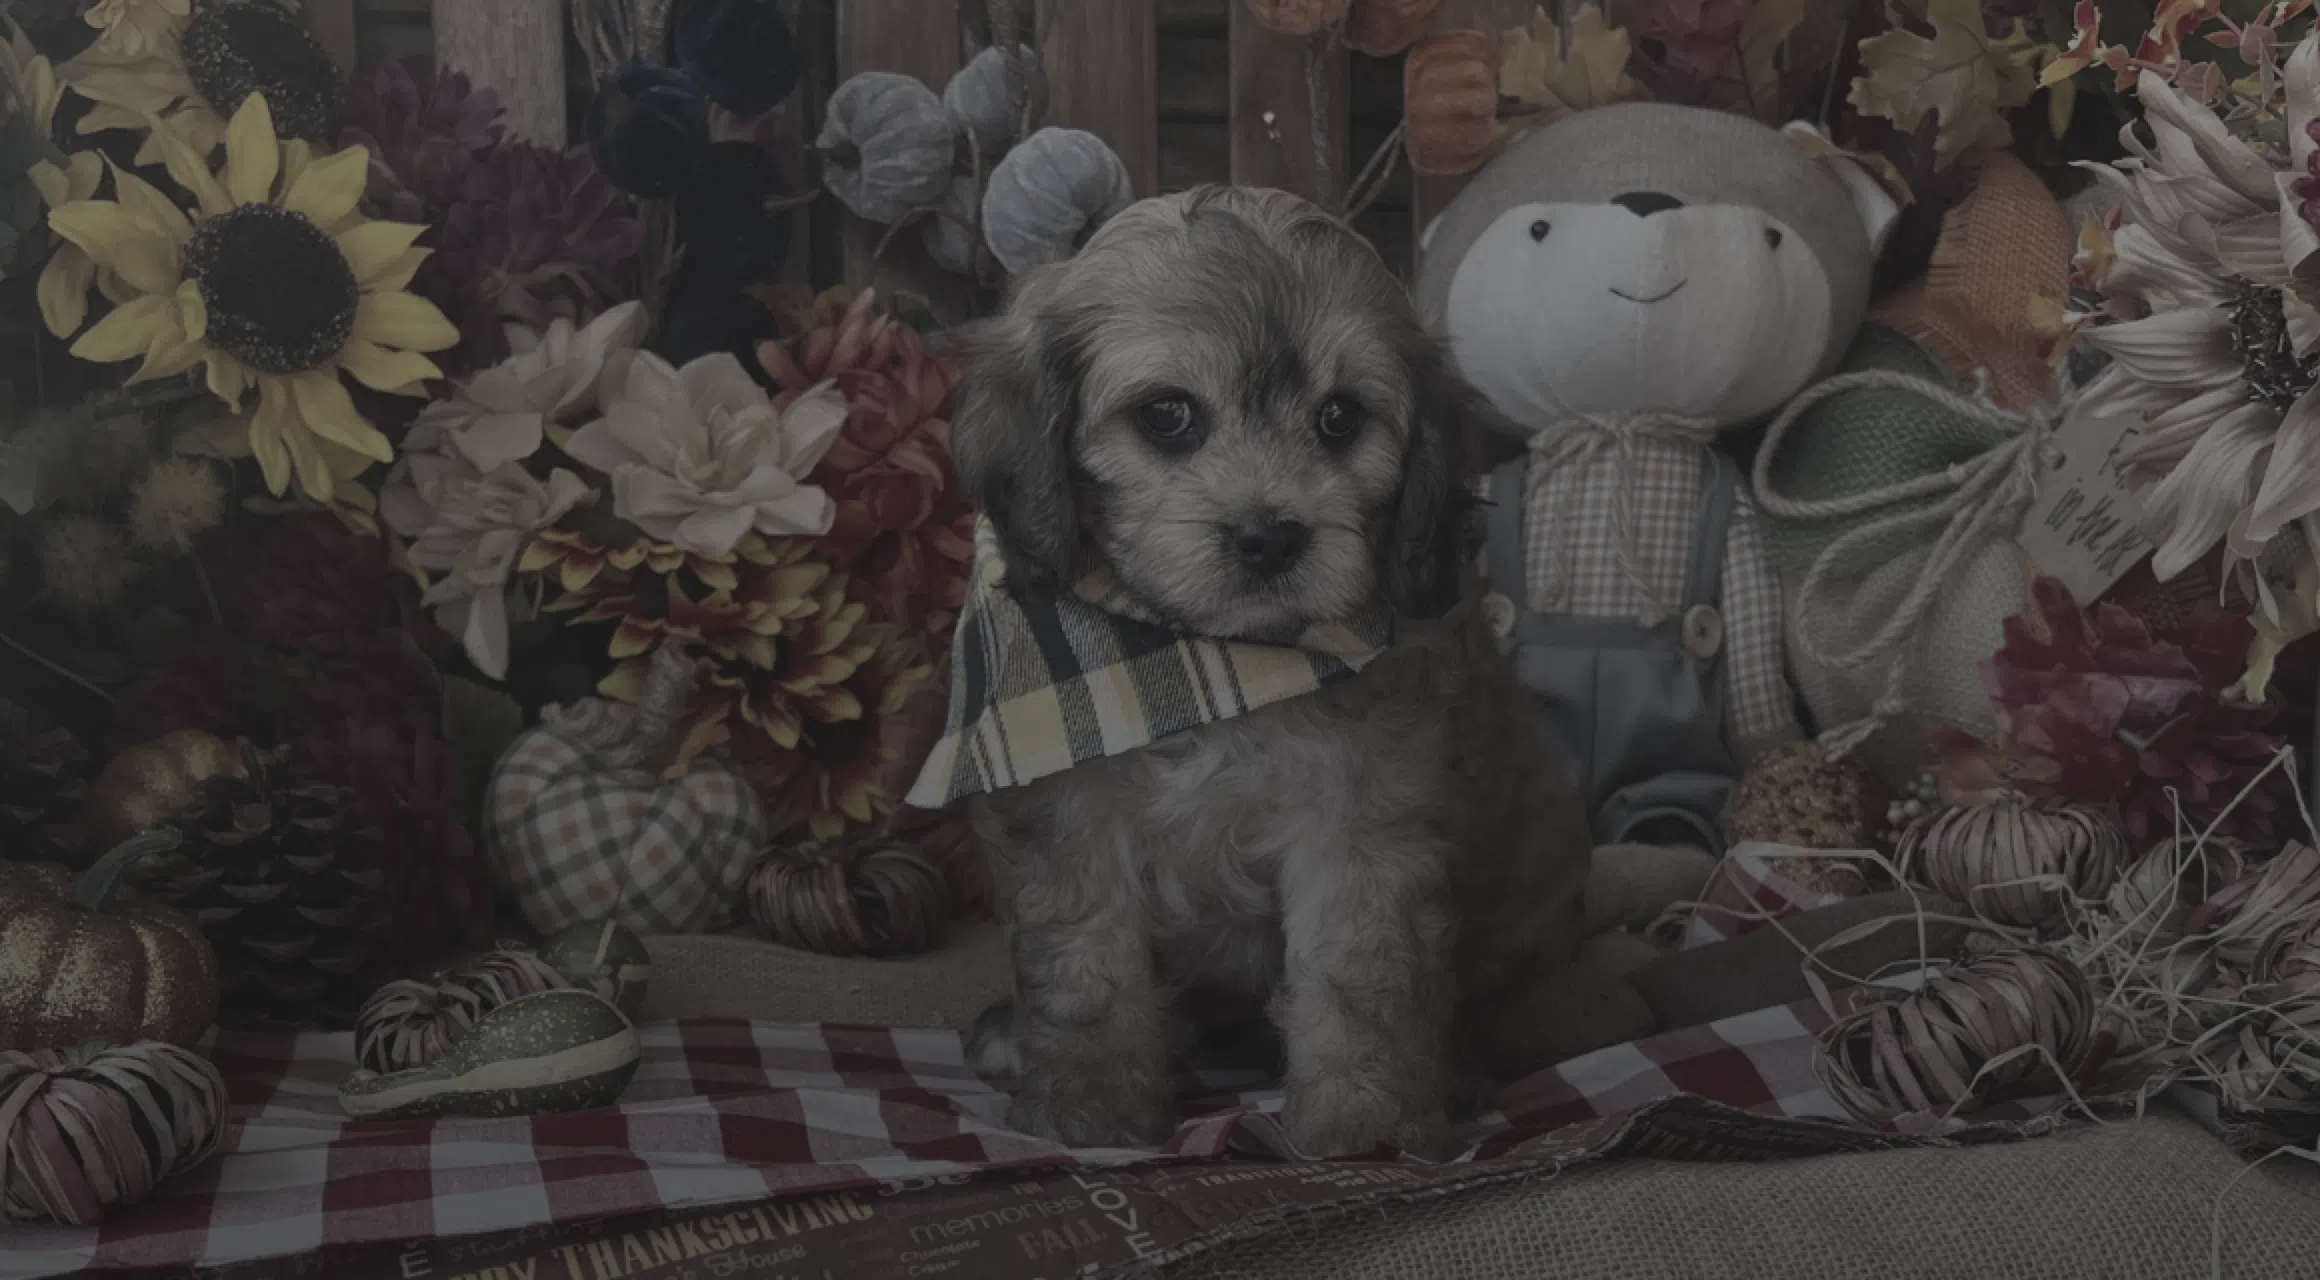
<point>1875,205</point>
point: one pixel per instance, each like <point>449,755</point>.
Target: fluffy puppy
<point>1228,399</point>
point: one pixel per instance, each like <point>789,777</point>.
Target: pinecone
<point>44,774</point>
<point>289,892</point>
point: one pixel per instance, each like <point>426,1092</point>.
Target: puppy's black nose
<point>1269,545</point>
<point>1643,204</point>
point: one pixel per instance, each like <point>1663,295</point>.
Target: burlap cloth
<point>729,976</point>
<point>2006,242</point>
<point>2127,1201</point>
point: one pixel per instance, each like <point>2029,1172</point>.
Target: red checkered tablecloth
<point>725,1112</point>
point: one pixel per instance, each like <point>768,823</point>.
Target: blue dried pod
<point>1049,195</point>
<point>888,146</point>
<point>979,97</point>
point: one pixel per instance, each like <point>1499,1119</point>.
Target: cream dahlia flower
<point>504,413</point>
<point>468,528</point>
<point>2216,382</point>
<point>700,457</point>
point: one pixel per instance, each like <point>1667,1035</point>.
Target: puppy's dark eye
<point>1540,229</point>
<point>1772,236</point>
<point>1170,421</point>
<point>1339,420</point>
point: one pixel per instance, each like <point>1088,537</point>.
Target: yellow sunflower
<point>137,26</point>
<point>277,282</point>
<point>195,71</point>
<point>64,283</point>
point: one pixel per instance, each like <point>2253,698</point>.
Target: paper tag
<point>2086,527</point>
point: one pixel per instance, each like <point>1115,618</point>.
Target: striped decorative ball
<point>88,1130</point>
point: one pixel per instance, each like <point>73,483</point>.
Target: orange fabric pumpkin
<point>1383,28</point>
<point>1450,102</point>
<point>1298,17</point>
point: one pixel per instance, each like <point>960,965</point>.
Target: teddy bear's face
<point>1641,303</point>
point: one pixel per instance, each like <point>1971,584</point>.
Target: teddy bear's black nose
<point>1643,204</point>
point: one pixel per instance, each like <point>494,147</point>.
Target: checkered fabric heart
<point>572,838</point>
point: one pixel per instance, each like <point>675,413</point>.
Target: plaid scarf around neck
<point>1044,681</point>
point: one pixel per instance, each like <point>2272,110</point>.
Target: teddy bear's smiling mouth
<point>1657,297</point>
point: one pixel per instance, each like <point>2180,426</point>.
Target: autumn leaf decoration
<point>1963,77</point>
<point>1537,70</point>
<point>1728,54</point>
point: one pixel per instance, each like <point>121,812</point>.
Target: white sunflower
<point>2217,381</point>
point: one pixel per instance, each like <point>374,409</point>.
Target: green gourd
<point>551,1051</point>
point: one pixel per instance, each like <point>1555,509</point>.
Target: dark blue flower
<point>741,52</point>
<point>707,316</point>
<point>722,221</point>
<point>648,129</point>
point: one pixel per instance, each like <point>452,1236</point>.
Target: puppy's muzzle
<point>1269,545</point>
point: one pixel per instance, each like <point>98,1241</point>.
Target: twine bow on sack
<point>1579,439</point>
<point>1969,502</point>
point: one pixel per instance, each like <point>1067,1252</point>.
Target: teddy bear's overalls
<point>1637,709</point>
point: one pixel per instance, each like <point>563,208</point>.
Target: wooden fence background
<point>1187,91</point>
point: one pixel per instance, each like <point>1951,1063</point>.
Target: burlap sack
<point>2127,1201</point>
<point>1858,443</point>
<point>731,976</point>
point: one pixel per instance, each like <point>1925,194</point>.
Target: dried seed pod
<point>2015,863</point>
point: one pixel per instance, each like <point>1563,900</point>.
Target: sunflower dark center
<point>240,47</point>
<point>2269,365</point>
<point>280,294</point>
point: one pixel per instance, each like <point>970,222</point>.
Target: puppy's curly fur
<point>1386,867</point>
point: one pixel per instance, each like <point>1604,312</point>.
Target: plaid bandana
<point>1042,683</point>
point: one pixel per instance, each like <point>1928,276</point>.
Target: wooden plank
<point>1290,111</point>
<point>1196,81</point>
<point>516,47</point>
<point>921,38</point>
<point>1102,63</point>
<point>1192,17</point>
<point>380,37</point>
<point>1493,17</point>
<point>332,23</point>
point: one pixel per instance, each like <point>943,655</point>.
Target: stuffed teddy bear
<point>1624,286</point>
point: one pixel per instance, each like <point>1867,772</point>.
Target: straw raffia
<point>409,1024</point>
<point>86,1130</point>
<point>2017,1024</point>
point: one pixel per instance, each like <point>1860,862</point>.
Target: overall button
<point>1703,632</point>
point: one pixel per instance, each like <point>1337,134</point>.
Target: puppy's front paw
<point>1093,1112</point>
<point>1328,1120</point>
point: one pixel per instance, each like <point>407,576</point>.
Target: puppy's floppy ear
<point>1431,532</point>
<point>1011,440</point>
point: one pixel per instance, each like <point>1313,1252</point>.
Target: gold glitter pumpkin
<point>80,967</point>
<point>156,784</point>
